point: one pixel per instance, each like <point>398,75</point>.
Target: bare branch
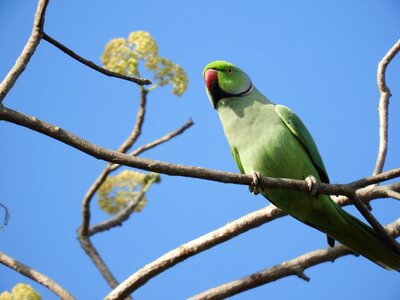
<point>284,269</point>
<point>157,142</point>
<point>29,49</point>
<point>6,215</point>
<point>182,170</point>
<point>137,129</point>
<point>112,167</point>
<point>124,215</point>
<point>209,240</point>
<point>96,259</point>
<point>118,219</point>
<point>392,194</point>
<point>193,247</point>
<point>83,231</point>
<point>385,237</point>
<point>92,65</point>
<point>163,139</point>
<point>35,275</point>
<point>384,107</point>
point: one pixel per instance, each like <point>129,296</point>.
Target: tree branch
<point>124,215</point>
<point>96,259</point>
<point>118,219</point>
<point>83,231</point>
<point>6,215</point>
<point>209,240</point>
<point>182,170</point>
<point>157,142</point>
<point>92,65</point>
<point>29,49</point>
<point>137,129</point>
<point>35,275</point>
<point>294,266</point>
<point>385,237</point>
<point>384,107</point>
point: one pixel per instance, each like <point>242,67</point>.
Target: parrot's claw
<point>254,187</point>
<point>312,185</point>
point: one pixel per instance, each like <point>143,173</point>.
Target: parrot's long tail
<point>362,239</point>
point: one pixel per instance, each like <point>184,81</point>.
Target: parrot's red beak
<point>211,78</point>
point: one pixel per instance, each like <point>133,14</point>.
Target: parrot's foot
<point>254,187</point>
<point>311,183</point>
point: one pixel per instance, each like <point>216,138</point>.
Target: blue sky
<point>317,57</point>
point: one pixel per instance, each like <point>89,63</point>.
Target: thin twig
<point>83,231</point>
<point>112,167</point>
<point>93,150</point>
<point>137,129</point>
<point>118,219</point>
<point>392,194</point>
<point>155,143</point>
<point>6,215</point>
<point>36,276</point>
<point>294,266</point>
<point>163,139</point>
<point>384,107</point>
<point>380,230</point>
<point>209,240</point>
<point>97,260</point>
<point>92,65</point>
<point>29,49</point>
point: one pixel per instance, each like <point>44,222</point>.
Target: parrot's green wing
<point>300,131</point>
<point>236,157</point>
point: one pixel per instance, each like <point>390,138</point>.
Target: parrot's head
<point>225,80</point>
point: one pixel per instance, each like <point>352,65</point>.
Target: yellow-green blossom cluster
<point>21,291</point>
<point>119,58</point>
<point>144,47</point>
<point>170,73</point>
<point>123,56</point>
<point>117,192</point>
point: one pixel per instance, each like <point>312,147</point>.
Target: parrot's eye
<point>229,70</point>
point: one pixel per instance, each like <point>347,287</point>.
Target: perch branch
<point>294,266</point>
<point>35,275</point>
<point>98,152</point>
<point>92,65</point>
<point>29,49</point>
<point>181,170</point>
<point>384,107</point>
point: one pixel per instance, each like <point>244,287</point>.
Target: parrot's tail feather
<point>363,240</point>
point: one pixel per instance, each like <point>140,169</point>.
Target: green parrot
<point>270,140</point>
